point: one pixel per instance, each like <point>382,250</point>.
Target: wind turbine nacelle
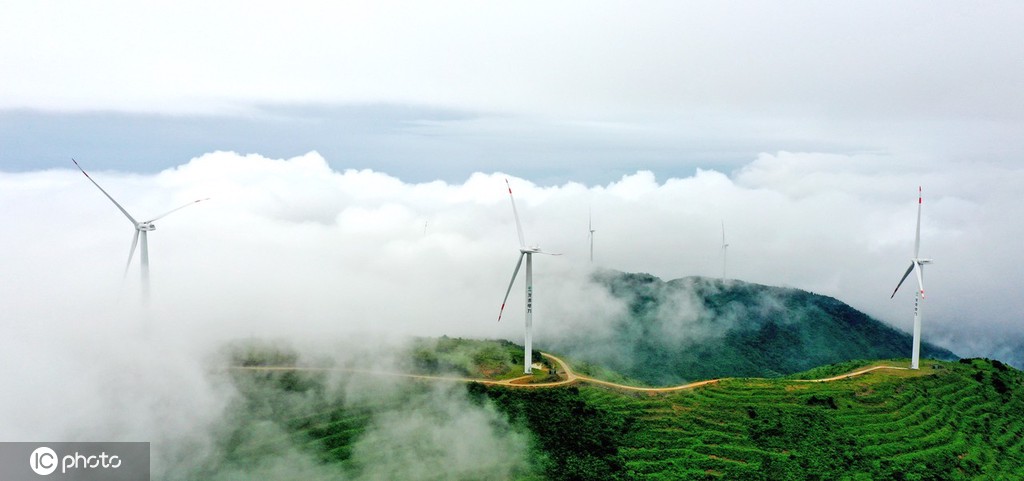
<point>529,250</point>
<point>924,261</point>
<point>146,226</point>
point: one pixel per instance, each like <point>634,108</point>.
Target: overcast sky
<point>584,91</point>
<point>793,99</point>
<point>356,152</point>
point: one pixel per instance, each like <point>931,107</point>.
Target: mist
<point>412,430</point>
<point>293,249</point>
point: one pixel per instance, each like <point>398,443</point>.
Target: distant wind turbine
<point>527,252</point>
<point>590,227</point>
<point>917,266</point>
<point>725,248</point>
<point>141,229</point>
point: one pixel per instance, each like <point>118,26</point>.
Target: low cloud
<point>392,428</point>
<point>289,248</point>
<point>441,436</point>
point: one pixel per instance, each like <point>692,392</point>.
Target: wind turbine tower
<point>142,230</point>
<point>725,249</point>
<point>917,266</point>
<point>528,253</point>
<point>590,227</point>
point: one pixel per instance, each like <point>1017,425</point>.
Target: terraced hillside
<point>949,420</point>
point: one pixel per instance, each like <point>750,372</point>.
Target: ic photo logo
<point>44,461</point>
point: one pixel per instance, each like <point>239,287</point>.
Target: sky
<point>577,91</point>
<point>355,156</point>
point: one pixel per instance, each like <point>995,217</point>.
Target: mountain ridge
<point>701,328</point>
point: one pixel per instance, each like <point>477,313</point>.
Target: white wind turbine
<point>590,227</point>
<point>916,265</point>
<point>725,248</point>
<point>527,252</point>
<point>141,230</point>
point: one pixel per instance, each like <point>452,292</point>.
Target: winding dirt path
<point>852,374</point>
<point>563,370</point>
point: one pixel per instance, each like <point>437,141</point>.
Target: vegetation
<point>258,352</point>
<point>576,440</point>
<point>699,328</point>
<point>837,369</point>
<point>603,373</point>
<point>948,420</point>
<point>945,421</point>
<point>491,359</point>
<point>311,424</point>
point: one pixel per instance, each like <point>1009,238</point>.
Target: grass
<point>492,359</point>
<point>924,424</point>
<point>947,420</point>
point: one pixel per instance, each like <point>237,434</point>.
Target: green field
<point>949,420</point>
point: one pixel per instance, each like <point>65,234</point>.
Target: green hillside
<point>484,359</point>
<point>948,420</point>
<point>699,328</point>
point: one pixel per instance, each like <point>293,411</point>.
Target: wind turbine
<point>527,252</point>
<point>590,227</point>
<point>725,248</point>
<point>917,266</point>
<point>141,230</point>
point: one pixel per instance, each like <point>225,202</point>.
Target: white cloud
<point>287,244</point>
<point>293,249</point>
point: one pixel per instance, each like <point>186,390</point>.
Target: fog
<point>291,249</point>
<point>413,430</point>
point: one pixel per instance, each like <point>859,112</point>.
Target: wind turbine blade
<point>917,237</point>
<point>125,212</point>
<point>131,253</point>
<point>161,216</point>
<point>515,212</point>
<point>905,275</point>
<point>919,270</point>
<point>513,281</point>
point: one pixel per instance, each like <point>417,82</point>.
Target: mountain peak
<point>699,327</point>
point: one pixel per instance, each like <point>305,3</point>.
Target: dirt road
<point>563,370</point>
<point>851,374</point>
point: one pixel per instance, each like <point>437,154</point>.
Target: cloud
<point>443,436</point>
<point>398,429</point>
<point>290,248</point>
<point>297,236</point>
<point>332,251</point>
